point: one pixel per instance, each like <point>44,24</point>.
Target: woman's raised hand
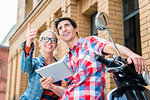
<point>30,35</point>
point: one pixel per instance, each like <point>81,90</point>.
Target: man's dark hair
<point>57,21</point>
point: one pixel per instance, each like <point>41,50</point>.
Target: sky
<point>8,16</point>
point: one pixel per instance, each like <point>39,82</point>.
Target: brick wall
<point>144,10</point>
<point>4,51</point>
<point>114,10</point>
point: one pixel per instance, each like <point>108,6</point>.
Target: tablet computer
<point>58,71</point>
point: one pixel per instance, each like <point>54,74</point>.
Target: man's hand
<point>139,63</point>
<point>47,83</point>
<point>30,35</point>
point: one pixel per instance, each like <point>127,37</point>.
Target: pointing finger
<point>29,26</point>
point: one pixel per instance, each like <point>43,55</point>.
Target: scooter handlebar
<point>102,60</point>
<point>107,63</point>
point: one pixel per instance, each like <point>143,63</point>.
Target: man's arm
<point>139,62</point>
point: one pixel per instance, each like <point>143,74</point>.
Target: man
<point>88,82</point>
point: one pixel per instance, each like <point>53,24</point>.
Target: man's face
<point>66,31</point>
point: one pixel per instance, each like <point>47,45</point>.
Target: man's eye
<point>66,24</point>
<point>59,28</point>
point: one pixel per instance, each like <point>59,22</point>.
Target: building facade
<point>5,41</point>
<point>129,25</point>
<point>4,52</point>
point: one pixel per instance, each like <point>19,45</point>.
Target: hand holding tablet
<point>58,71</point>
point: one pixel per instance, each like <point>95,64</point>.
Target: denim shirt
<point>28,66</point>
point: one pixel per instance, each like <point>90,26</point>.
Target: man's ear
<point>77,29</point>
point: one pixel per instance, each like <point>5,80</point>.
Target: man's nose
<point>63,28</point>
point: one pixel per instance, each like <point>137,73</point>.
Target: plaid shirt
<point>88,81</point>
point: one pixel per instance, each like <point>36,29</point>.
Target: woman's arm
<point>27,59</point>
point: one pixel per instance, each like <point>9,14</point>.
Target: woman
<point>47,43</point>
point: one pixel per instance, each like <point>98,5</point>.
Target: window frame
<point>91,25</point>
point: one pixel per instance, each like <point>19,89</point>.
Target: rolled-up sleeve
<point>26,62</point>
<point>98,44</point>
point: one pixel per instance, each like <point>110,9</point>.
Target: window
<point>130,6</point>
<point>131,24</point>
<point>94,30</point>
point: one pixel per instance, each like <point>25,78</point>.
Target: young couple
<point>88,81</point>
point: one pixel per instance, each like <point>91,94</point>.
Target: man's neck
<point>72,43</point>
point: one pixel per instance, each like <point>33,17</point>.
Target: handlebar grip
<point>103,60</point>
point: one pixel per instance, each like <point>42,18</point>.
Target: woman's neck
<point>48,58</point>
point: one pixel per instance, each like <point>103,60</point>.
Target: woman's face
<point>48,42</point>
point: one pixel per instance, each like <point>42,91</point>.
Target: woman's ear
<point>56,45</point>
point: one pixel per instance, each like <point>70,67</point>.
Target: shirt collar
<point>41,58</point>
<point>43,61</point>
<point>80,42</point>
<point>77,45</point>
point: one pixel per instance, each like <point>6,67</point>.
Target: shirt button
<point>37,97</point>
<point>40,87</point>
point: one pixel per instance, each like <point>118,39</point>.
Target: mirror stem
<point>107,31</point>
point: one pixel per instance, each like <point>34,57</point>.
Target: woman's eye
<point>53,39</point>
<point>45,38</point>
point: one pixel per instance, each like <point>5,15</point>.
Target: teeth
<point>66,34</point>
<point>49,46</point>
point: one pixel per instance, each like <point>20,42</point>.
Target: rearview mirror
<point>101,21</point>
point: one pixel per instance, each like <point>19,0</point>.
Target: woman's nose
<point>49,41</point>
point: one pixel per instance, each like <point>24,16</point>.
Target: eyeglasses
<point>46,39</point>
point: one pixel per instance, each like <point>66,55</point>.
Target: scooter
<point>130,84</point>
